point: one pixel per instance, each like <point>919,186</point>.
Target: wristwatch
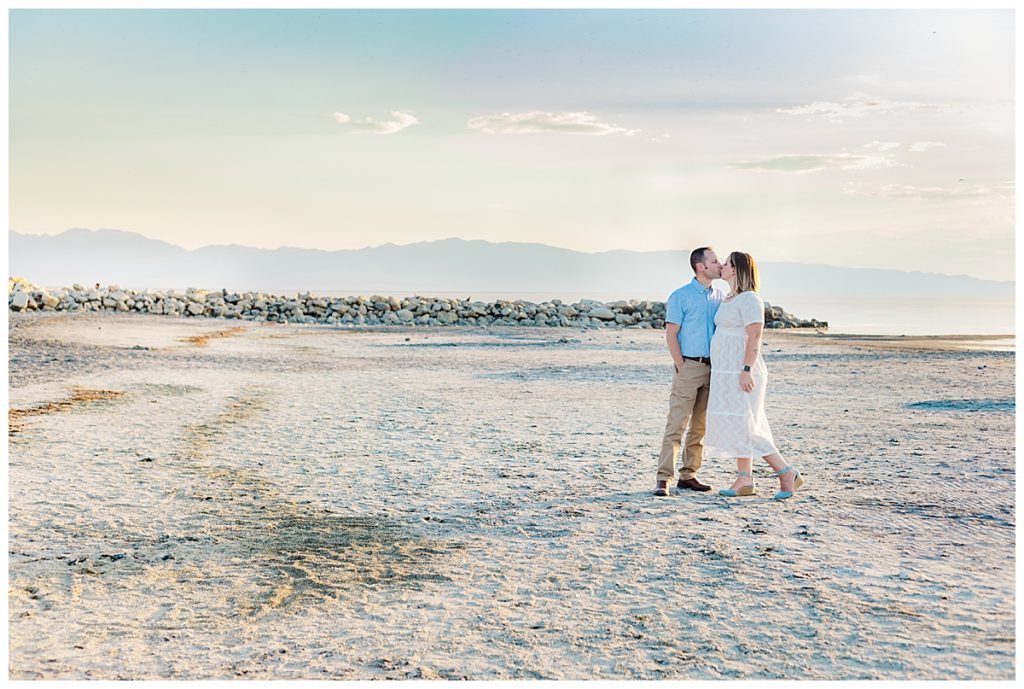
<point>746,369</point>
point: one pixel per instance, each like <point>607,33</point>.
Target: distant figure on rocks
<point>737,426</point>
<point>689,326</point>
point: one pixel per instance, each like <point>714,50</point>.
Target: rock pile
<point>361,310</point>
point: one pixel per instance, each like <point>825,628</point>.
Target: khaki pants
<point>687,403</point>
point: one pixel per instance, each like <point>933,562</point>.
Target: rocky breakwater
<point>360,310</point>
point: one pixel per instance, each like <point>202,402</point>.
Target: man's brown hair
<point>697,256</point>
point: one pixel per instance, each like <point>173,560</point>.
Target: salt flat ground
<point>284,501</point>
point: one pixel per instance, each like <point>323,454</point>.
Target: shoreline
<point>391,310</point>
<point>945,342</point>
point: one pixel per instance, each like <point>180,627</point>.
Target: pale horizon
<point>497,242</point>
<point>867,139</point>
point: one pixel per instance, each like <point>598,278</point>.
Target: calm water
<point>894,316</point>
<point>908,316</point>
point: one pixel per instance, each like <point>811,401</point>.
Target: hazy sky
<point>877,138</point>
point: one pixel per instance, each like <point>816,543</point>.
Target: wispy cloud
<point>960,190</point>
<point>580,123</point>
<point>921,146</point>
<point>882,145</point>
<point>813,162</point>
<point>916,147</point>
<point>400,121</point>
<point>660,139</point>
<point>859,105</point>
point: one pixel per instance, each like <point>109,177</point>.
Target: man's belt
<point>701,359</point>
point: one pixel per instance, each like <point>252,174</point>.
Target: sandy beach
<point>203,499</point>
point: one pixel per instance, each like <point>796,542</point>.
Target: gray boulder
<point>20,301</point>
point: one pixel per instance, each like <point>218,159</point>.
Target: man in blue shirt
<point>689,324</point>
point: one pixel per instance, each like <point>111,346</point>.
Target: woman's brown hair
<point>747,278</point>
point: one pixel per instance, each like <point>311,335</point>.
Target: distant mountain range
<point>458,266</point>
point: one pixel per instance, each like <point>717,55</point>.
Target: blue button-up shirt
<point>693,307</point>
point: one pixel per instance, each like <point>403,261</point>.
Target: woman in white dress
<point>736,423</point>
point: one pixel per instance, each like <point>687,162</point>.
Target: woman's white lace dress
<point>736,422</point>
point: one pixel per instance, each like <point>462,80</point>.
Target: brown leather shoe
<point>692,484</point>
<point>661,489</point>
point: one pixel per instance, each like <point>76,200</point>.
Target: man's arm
<point>672,340</point>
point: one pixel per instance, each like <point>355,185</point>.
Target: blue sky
<point>878,138</point>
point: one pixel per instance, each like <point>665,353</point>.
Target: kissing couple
<point>718,390</point>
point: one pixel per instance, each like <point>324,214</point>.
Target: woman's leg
<point>778,463</point>
<point>743,464</point>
